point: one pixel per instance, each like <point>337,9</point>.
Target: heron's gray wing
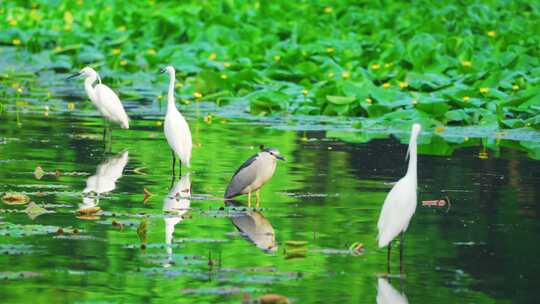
<point>244,176</point>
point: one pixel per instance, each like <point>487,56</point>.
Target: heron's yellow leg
<point>249,199</point>
<point>258,195</point>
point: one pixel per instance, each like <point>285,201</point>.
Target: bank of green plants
<point>437,62</point>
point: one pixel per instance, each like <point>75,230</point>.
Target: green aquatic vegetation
<point>441,63</point>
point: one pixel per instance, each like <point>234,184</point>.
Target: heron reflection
<point>254,226</point>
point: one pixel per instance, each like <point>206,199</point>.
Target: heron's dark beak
<point>74,75</point>
<point>280,157</point>
<point>162,71</point>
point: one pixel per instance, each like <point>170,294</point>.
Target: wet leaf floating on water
<point>88,210</point>
<point>34,210</point>
<point>18,230</point>
<point>356,248</point>
<point>15,198</point>
<point>38,172</point>
<point>295,249</point>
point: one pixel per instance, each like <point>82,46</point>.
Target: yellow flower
<point>277,58</point>
<point>403,84</point>
<point>224,76</point>
<point>345,74</point>
<point>12,22</point>
<point>197,95</point>
<point>439,129</point>
<point>123,62</point>
<point>484,90</point>
<point>71,105</point>
<point>466,138</point>
<point>491,33</point>
<point>159,123</point>
<point>208,118</point>
<point>328,10</point>
<point>159,97</point>
<point>375,66</point>
<point>151,52</point>
<point>329,50</point>
<point>16,41</point>
<point>212,56</point>
<point>466,63</point>
<point>19,90</point>
<point>226,64</point>
<point>116,51</point>
<point>121,28</point>
<point>305,92</point>
<point>369,100</point>
<point>466,98</point>
<point>386,85</point>
<point>515,87</point>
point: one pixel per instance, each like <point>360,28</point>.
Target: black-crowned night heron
<point>253,174</point>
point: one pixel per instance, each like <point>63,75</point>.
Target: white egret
<point>400,204</point>
<point>175,205</point>
<point>105,100</point>
<point>176,127</point>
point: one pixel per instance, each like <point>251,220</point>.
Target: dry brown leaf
<point>88,217</point>
<point>15,198</point>
<point>89,211</point>
<point>147,195</point>
<point>273,298</point>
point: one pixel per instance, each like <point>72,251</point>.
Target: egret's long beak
<point>74,75</point>
<point>280,157</point>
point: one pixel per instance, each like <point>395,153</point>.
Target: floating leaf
<point>38,172</point>
<point>15,198</point>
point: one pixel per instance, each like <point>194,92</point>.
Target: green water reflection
<point>480,249</point>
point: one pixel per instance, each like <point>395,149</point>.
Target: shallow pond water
<point>479,248</point>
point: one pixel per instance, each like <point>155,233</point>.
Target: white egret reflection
<point>386,294</point>
<point>103,181</point>
<point>175,205</point>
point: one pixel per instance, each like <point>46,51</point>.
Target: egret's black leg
<point>179,168</point>
<point>173,164</point>
<point>388,257</point>
<point>401,246</point>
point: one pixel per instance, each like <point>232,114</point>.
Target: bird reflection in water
<point>386,294</point>
<point>254,226</point>
<point>103,181</point>
<point>175,205</point>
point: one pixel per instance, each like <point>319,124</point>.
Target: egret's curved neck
<point>170,95</point>
<point>88,86</point>
<point>412,169</point>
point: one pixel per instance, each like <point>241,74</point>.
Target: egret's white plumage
<point>400,204</point>
<point>176,127</point>
<point>105,100</point>
<point>386,294</point>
